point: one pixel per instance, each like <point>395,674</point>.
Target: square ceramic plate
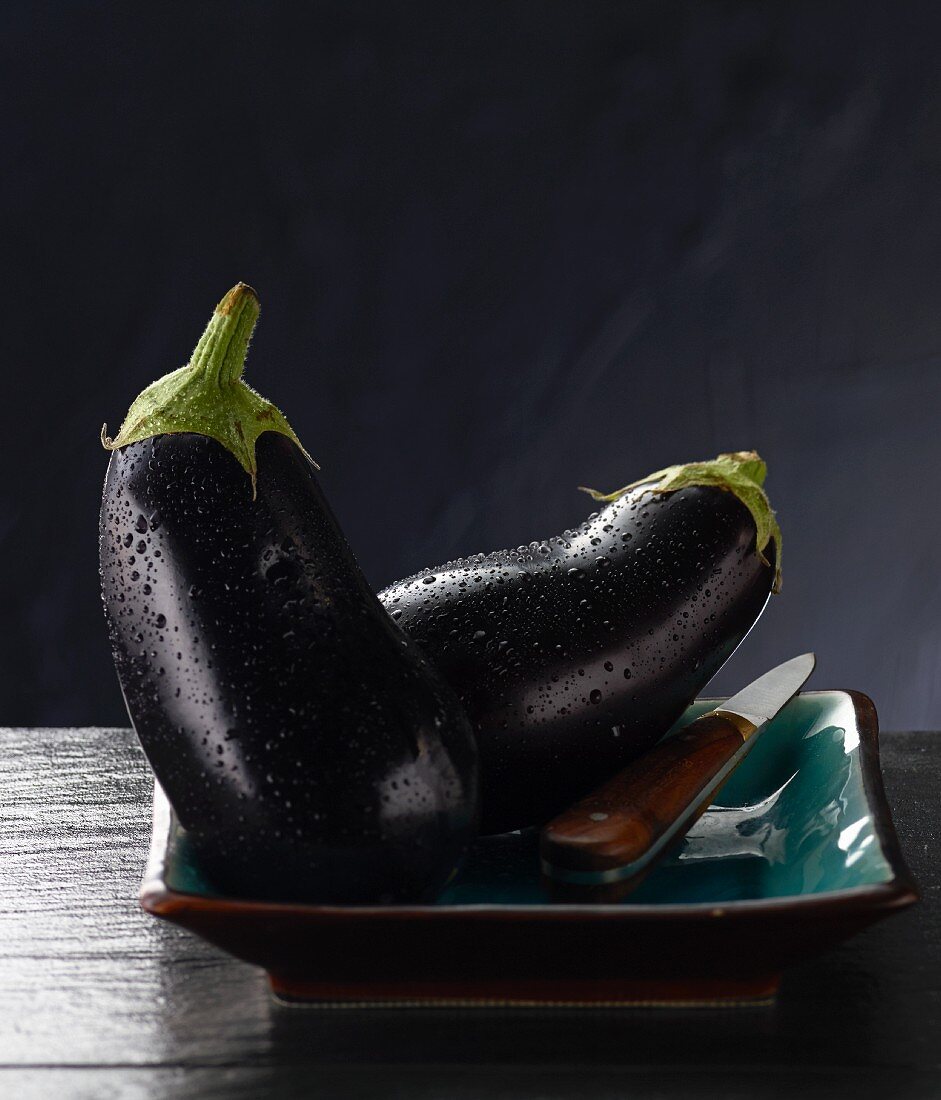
<point>798,853</point>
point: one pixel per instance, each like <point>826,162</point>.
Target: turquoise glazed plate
<point>798,853</point>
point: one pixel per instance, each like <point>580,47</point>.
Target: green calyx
<point>208,396</point>
<point>741,472</point>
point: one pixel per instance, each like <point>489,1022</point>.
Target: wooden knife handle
<point>599,841</point>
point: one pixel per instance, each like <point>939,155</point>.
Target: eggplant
<point>574,655</point>
<point>309,750</point>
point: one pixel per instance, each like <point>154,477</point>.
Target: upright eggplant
<point>307,747</point>
<point>575,654</point>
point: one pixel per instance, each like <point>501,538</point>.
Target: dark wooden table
<point>99,1000</point>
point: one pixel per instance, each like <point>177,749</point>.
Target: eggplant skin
<point>307,747</point>
<point>574,655</point>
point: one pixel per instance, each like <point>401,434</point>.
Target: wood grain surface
<point>99,1000</point>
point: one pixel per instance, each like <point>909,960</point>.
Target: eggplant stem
<point>207,396</point>
<point>222,348</point>
<point>741,473</point>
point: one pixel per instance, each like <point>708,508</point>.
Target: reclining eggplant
<point>575,654</point>
<point>306,746</point>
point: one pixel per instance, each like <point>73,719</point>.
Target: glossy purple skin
<point>575,655</point>
<point>306,745</point>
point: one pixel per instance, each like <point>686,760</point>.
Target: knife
<point>603,846</point>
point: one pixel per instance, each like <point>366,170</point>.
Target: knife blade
<point>604,845</point>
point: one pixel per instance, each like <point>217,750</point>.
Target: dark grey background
<point>503,249</point>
